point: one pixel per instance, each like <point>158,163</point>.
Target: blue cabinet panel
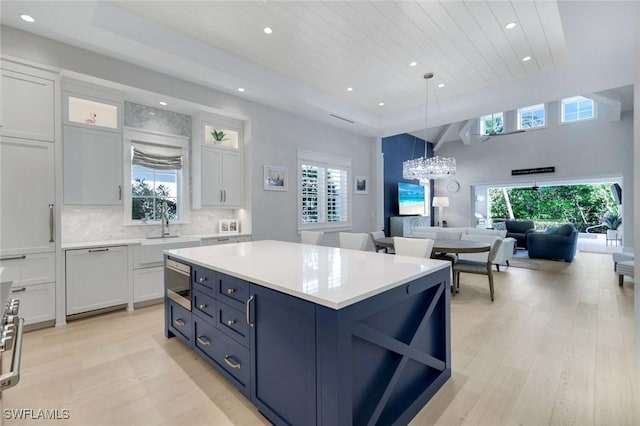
<point>232,291</point>
<point>204,277</point>
<point>283,344</point>
<point>233,323</point>
<point>204,304</point>
<point>179,321</point>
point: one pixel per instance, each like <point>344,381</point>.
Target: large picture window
<point>577,108</point>
<point>323,191</point>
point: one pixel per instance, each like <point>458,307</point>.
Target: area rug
<point>524,263</point>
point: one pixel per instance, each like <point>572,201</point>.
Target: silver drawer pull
<point>51,223</point>
<point>98,250</point>
<point>228,359</point>
<point>202,306</point>
<point>179,322</point>
<point>204,341</point>
<point>231,290</point>
<point>202,279</point>
<point>231,322</point>
<point>19,290</point>
<point>20,257</point>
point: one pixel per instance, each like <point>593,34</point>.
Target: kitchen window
<point>323,191</point>
<point>155,173</point>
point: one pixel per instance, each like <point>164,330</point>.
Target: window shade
<point>157,157</point>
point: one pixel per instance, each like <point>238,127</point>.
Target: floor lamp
<point>440,203</point>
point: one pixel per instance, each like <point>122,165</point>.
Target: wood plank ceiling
<point>368,45</point>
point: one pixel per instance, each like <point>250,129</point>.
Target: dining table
<point>443,245</point>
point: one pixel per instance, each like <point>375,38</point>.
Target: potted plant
<point>219,136</point>
<point>612,220</point>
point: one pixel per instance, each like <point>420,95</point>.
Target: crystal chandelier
<point>425,168</point>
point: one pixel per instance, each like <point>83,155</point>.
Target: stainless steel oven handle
<point>12,378</point>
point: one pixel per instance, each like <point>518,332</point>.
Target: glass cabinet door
<point>220,137</point>
<point>92,113</point>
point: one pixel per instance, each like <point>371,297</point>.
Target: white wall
<point>596,148</point>
<point>273,136</point>
<point>636,163</point>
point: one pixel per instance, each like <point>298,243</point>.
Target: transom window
<point>531,117</point>
<point>323,191</point>
<point>577,108</point>
<point>492,123</point>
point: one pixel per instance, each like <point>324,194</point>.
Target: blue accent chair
<point>556,243</point>
<point>519,229</point>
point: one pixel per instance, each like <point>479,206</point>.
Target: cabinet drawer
<point>224,353</point>
<point>29,269</point>
<point>232,291</point>
<point>179,320</point>
<point>37,302</point>
<point>233,323</point>
<point>206,305</point>
<point>204,277</point>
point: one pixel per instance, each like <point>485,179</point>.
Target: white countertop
<point>146,241</point>
<point>328,276</point>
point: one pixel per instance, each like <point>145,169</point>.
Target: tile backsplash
<point>156,119</point>
<point>81,224</point>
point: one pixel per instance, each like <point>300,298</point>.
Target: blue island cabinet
<point>376,361</point>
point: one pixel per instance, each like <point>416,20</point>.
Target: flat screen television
<point>411,199</point>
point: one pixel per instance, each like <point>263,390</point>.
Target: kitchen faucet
<point>164,219</point>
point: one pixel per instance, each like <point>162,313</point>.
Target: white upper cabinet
<point>218,165</point>
<point>27,107</point>
<point>92,166</point>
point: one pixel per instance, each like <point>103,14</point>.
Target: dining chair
<point>355,241</point>
<point>311,237</point>
<point>374,236</point>
<point>476,267</point>
<point>416,247</point>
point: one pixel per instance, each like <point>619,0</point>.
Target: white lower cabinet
<point>37,302</point>
<point>96,278</point>
<point>225,240</point>
<point>148,284</point>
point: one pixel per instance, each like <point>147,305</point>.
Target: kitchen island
<point>318,335</point>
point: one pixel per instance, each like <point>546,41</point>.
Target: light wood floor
<point>556,347</point>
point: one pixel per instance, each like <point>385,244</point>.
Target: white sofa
<point>505,253</point>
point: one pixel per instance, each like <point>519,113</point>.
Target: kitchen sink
<point>151,249</point>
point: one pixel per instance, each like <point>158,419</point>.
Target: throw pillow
<point>551,230</point>
<point>565,230</point>
<point>500,225</point>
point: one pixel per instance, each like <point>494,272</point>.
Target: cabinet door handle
<point>98,250</point>
<point>231,290</point>
<point>202,279</point>
<point>221,195</point>
<point>119,192</point>
<point>248,310</point>
<point>204,341</point>
<point>19,290</point>
<point>231,322</point>
<point>228,359</point>
<point>51,223</point>
<point>202,306</point>
<point>225,195</point>
<point>19,257</point>
<point>179,322</point>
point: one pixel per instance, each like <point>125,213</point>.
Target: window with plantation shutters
<point>323,192</point>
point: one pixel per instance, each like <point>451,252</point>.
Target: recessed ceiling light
<point>413,64</point>
<point>240,89</point>
<point>27,18</point>
<point>349,89</point>
<point>381,104</point>
<point>163,103</point>
<point>441,85</point>
<point>510,25</point>
<point>526,59</point>
<point>268,30</point>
